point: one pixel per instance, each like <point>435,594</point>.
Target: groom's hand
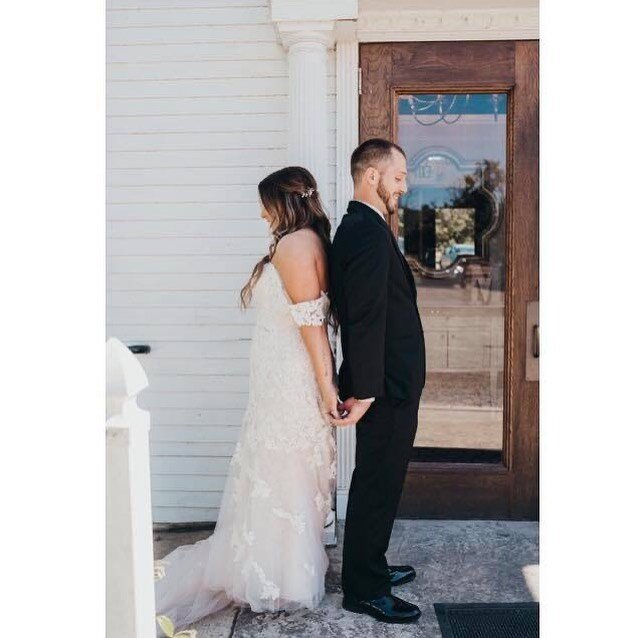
<point>354,410</point>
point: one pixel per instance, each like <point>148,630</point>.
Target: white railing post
<point>130,594</point>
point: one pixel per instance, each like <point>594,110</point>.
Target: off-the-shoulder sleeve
<point>311,313</point>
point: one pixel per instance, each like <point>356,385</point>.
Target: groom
<point>383,374</point>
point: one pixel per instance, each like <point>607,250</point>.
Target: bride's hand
<point>330,402</point>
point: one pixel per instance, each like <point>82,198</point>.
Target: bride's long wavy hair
<point>290,196</point>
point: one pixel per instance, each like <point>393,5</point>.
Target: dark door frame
<point>507,490</point>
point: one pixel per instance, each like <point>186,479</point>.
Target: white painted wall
<point>196,105</point>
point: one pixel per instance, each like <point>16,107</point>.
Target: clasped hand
<point>347,412</point>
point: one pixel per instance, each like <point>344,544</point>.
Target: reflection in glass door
<point>452,233</point>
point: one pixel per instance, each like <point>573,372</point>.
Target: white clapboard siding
<point>194,434</point>
<point>205,400</point>
<point>168,177</point>
<point>196,105</point>
<point>189,16</point>
<point>187,87</point>
<point>126,261</point>
<point>179,263</point>
<point>255,141</point>
<point>199,193</point>
<point>191,417</point>
<point>201,383</point>
<point>136,5</point>
<point>203,466</point>
<point>209,333</point>
<point>182,281</point>
<point>172,298</point>
<point>129,36</point>
<point>197,101</point>
<point>194,52</point>
<point>186,514</point>
<point>184,498</point>
<point>181,316</point>
<point>201,87</point>
<point>208,158</point>
<point>176,349</point>
<point>192,483</point>
<point>177,228</point>
<point>187,69</point>
<point>196,122</point>
<point>193,448</point>
<point>140,211</point>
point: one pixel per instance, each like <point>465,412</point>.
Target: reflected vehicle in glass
<point>452,253</point>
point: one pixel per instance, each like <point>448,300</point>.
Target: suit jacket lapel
<point>355,205</point>
<point>404,263</point>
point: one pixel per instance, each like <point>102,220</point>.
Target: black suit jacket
<point>374,295</point>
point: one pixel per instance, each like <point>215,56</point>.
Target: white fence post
<point>130,594</point>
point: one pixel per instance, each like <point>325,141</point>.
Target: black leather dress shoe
<point>386,609</point>
<point>401,574</point>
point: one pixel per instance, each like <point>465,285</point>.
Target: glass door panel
<point>452,233</point>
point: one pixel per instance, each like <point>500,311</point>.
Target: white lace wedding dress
<point>267,549</point>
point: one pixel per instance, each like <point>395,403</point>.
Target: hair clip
<point>308,193</point>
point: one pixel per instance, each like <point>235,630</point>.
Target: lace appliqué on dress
<point>323,503</point>
<point>297,520</point>
<point>311,313</point>
<point>268,589</point>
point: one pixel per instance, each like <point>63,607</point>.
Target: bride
<point>267,549</point>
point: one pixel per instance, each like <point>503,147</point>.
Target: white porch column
<point>308,45</point>
<point>347,140</point>
<point>307,31</point>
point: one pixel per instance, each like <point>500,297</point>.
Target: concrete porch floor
<point>455,561</point>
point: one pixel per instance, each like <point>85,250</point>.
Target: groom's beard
<point>391,204</point>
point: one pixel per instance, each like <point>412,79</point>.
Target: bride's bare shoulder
<point>300,260</point>
<point>301,246</point>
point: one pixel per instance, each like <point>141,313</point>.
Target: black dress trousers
<point>385,436</point>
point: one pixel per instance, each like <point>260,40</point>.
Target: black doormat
<point>483,620</point>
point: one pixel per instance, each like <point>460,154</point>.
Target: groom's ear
<point>371,175</point>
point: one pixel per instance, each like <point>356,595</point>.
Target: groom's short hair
<point>371,153</point>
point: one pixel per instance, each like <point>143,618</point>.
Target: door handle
<point>532,346</point>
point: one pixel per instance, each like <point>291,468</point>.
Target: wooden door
<point>467,115</point>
